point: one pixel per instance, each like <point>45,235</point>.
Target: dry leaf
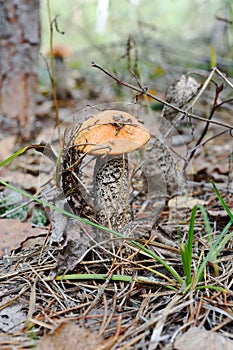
<point>14,232</point>
<point>200,339</point>
<point>179,94</point>
<point>76,245</point>
<point>11,317</point>
<point>26,181</point>
<point>180,202</point>
<point>163,176</point>
<point>70,336</point>
<point>7,146</point>
<point>219,214</point>
<point>59,223</point>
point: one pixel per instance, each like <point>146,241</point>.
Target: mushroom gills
<point>112,192</point>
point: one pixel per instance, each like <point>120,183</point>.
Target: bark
<point>19,53</point>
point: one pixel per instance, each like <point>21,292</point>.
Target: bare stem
<point>204,86</point>
<point>51,74</point>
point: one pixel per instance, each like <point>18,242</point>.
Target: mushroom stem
<point>112,191</point>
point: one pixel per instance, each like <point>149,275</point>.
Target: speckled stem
<point>112,190</point>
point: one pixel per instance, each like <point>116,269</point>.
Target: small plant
<point>193,278</point>
<point>39,218</point>
<point>8,207</point>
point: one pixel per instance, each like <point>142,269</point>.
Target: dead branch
<point>143,91</point>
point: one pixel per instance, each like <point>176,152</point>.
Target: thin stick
<point>51,74</point>
<point>204,86</point>
<point>204,132</point>
<point>224,77</point>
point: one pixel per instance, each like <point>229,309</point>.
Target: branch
<point>145,92</point>
<point>204,131</point>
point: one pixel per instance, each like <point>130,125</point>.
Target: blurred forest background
<point>165,37</point>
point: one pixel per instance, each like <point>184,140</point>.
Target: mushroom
<point>109,136</point>
<point>61,51</point>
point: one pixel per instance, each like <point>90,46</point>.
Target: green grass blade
<point>38,147</point>
<point>210,236</point>
<point>186,262</point>
<point>93,276</point>
<point>191,232</point>
<point>222,244</point>
<point>14,155</point>
<point>216,288</point>
<point>222,201</point>
<point>186,248</point>
<point>207,223</point>
<point>200,271</point>
<point>150,282</point>
<point>160,260</point>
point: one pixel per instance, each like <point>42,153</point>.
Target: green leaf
<point>200,271</point>
<point>222,201</point>
<point>14,155</point>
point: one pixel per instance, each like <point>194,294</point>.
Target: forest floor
<point>97,290</point>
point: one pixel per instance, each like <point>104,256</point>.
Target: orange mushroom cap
<point>111,132</point>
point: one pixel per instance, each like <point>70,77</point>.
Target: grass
<point>152,293</point>
<point>191,277</point>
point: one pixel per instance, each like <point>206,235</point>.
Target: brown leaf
<point>70,336</point>
<point>14,232</point>
<point>77,244</point>
<point>197,338</point>
<point>218,214</point>
<point>25,181</point>
<point>180,202</point>
<point>179,94</point>
<point>6,146</point>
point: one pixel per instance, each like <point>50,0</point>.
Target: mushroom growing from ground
<point>109,136</point>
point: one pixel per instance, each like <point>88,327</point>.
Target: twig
<point>204,86</point>
<point>158,328</point>
<point>224,77</point>
<point>222,19</point>
<point>209,139</point>
<point>51,74</point>
<point>99,294</point>
<point>48,287</point>
<point>56,25</point>
<point>204,131</point>
<point>145,92</point>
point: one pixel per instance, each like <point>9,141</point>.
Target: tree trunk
<point>19,53</point>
